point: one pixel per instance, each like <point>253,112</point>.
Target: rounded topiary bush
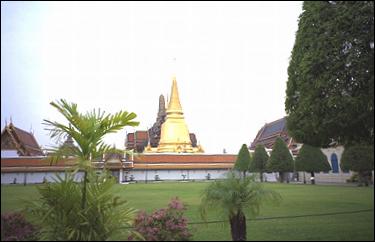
<point>359,158</point>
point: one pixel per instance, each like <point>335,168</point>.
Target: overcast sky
<point>231,63</point>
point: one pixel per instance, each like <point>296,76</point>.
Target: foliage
<point>61,217</point>
<point>330,89</point>
<point>235,197</point>
<point>280,160</point>
<point>311,159</point>
<point>163,225</point>
<point>88,131</point>
<point>259,160</point>
<point>353,178</point>
<point>243,159</point>
<point>14,227</point>
<point>358,158</point>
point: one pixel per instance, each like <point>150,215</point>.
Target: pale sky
<point>231,63</point>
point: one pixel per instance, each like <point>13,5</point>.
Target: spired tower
<point>155,131</point>
<point>175,136</point>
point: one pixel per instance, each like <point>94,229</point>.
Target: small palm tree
<point>235,197</point>
<point>88,131</point>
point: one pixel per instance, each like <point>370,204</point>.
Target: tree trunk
<point>312,178</point>
<point>83,201</point>
<point>261,176</point>
<point>281,177</point>
<point>238,227</point>
<point>244,174</point>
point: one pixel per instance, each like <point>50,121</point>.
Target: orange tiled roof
<point>153,161</point>
<point>172,158</point>
<point>178,166</point>
<point>24,142</point>
<point>34,169</point>
<point>33,162</point>
<point>141,135</point>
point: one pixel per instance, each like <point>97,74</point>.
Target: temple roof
<point>141,162</point>
<point>20,140</point>
<point>269,132</point>
<point>186,158</point>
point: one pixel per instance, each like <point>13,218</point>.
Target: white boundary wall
<point>32,177</point>
<point>151,175</point>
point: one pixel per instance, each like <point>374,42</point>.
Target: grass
<point>297,200</point>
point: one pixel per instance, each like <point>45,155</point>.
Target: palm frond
<point>234,195</point>
<point>87,130</point>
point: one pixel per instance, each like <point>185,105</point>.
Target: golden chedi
<point>174,132</point>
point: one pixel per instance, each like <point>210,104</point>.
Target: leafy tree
<point>59,214</point>
<point>259,160</point>
<point>88,131</point>
<point>330,89</point>
<point>311,159</point>
<point>359,158</point>
<point>280,160</point>
<point>243,160</point>
<point>235,197</point>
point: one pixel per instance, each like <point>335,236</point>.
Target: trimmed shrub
<point>166,224</point>
<point>259,160</point>
<point>359,158</point>
<point>243,160</point>
<point>280,160</point>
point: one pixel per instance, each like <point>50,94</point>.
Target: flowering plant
<point>166,224</point>
<point>14,227</point>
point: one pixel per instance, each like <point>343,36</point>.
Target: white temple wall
<point>150,175</point>
<point>32,177</point>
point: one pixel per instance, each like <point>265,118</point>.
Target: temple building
<point>166,151</point>
<point>270,131</point>
<point>169,134</point>
<point>17,142</point>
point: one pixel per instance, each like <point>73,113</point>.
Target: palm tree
<point>235,197</point>
<point>88,131</point>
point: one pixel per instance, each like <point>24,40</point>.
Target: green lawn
<point>297,200</point>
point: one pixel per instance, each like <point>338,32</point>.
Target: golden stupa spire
<point>174,103</point>
<point>175,137</point>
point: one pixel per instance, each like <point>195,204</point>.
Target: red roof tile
<point>166,158</point>
<point>154,161</point>
<point>26,142</point>
<point>143,135</point>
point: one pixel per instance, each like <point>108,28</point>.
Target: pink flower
<point>164,224</point>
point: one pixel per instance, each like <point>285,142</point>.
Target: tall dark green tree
<point>280,160</point>
<point>243,160</point>
<point>330,88</point>
<point>359,158</point>
<point>311,159</point>
<point>259,160</point>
